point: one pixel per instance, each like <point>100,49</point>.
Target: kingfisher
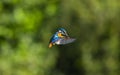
<point>60,38</point>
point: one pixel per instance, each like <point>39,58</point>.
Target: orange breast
<point>60,35</point>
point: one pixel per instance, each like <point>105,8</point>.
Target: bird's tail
<point>50,45</point>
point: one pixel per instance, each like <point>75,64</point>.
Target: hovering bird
<point>60,38</point>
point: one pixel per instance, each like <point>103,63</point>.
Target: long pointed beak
<point>65,35</point>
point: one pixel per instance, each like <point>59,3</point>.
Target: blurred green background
<point>27,25</point>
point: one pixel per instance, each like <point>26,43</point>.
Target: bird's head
<point>62,32</point>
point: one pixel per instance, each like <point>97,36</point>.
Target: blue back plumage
<point>54,38</point>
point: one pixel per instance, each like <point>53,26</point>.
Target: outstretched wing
<point>63,41</point>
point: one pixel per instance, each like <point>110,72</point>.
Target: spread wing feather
<point>63,41</point>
